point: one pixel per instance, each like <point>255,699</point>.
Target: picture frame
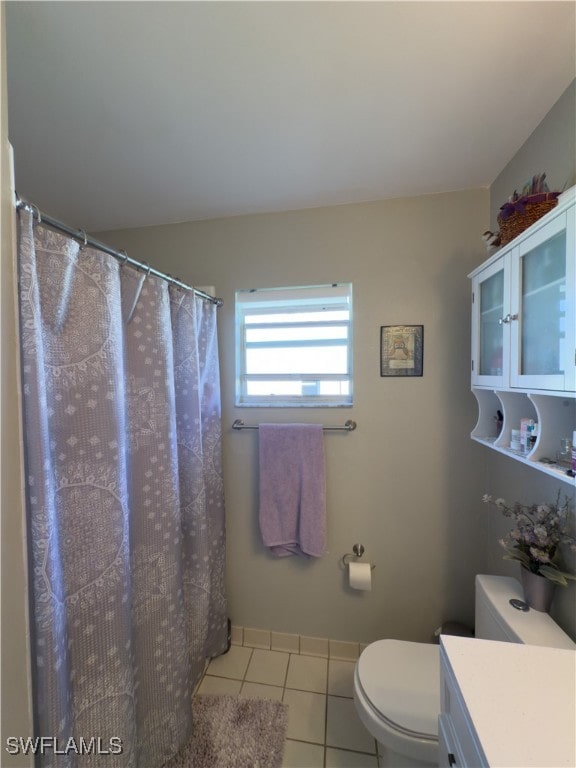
<point>401,350</point>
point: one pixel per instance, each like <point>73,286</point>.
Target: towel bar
<point>349,426</point>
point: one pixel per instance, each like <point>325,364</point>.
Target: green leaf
<point>552,574</point>
<point>517,554</point>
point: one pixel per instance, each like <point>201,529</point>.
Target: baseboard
<point>301,644</point>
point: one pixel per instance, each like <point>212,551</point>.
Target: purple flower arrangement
<point>534,540</point>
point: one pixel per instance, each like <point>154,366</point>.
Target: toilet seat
<point>397,697</point>
<point>401,681</point>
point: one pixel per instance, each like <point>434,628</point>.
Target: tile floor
<point>324,730</point>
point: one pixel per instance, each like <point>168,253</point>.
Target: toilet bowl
<point>397,697</point>
<point>397,683</point>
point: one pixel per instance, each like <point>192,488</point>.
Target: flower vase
<point>538,591</point>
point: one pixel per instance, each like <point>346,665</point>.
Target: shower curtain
<point>124,500</point>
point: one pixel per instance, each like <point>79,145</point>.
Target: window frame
<point>286,301</point>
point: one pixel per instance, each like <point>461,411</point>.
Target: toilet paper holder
<point>357,552</point>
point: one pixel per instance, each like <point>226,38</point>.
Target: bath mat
<point>230,732</point>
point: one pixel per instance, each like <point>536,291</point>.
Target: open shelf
<point>554,413</point>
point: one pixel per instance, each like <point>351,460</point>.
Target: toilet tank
<point>497,619</point>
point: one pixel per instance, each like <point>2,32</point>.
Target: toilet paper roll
<point>360,576</point>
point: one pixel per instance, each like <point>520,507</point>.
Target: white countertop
<point>521,700</point>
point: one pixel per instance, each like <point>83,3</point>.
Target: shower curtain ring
<point>85,243</point>
<point>38,214</point>
<point>125,257</point>
<point>173,280</point>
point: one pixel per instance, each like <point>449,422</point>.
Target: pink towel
<point>292,489</point>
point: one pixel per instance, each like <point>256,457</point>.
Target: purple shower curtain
<point>125,501</point>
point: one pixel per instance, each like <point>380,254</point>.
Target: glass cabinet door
<point>543,308</point>
<point>541,316</point>
<point>491,313</point>
<point>490,298</point>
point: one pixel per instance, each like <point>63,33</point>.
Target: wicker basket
<point>515,217</point>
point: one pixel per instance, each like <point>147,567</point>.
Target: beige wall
<point>406,482</point>
<point>16,707</point>
<point>551,149</point>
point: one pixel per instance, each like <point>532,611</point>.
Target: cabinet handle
<point>508,318</point>
<point>451,759</point>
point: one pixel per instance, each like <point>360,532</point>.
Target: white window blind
<point>294,346</point>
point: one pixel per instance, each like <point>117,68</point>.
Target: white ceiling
<point>126,114</point>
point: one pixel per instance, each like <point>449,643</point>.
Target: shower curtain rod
<point>80,234</point>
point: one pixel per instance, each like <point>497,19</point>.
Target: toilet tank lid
<point>401,679</point>
<point>531,627</point>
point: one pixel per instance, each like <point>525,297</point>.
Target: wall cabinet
<point>524,338</point>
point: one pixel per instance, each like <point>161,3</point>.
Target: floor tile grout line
<point>277,685</point>
<point>243,681</point>
<point>328,657</point>
<point>286,673</point>
<point>327,703</point>
<point>326,717</point>
<point>247,666</point>
<point>326,693</point>
<point>328,746</point>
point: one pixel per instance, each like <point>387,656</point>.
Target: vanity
<point>506,705</point>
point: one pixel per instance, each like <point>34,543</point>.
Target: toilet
<point>397,683</point>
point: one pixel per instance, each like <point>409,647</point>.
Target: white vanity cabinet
<point>494,709</point>
<point>524,338</point>
<point>458,743</point>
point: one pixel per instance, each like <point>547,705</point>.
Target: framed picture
<point>401,350</point>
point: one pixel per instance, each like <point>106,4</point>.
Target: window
<point>294,346</point>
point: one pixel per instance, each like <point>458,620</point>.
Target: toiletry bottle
<point>526,427</point>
